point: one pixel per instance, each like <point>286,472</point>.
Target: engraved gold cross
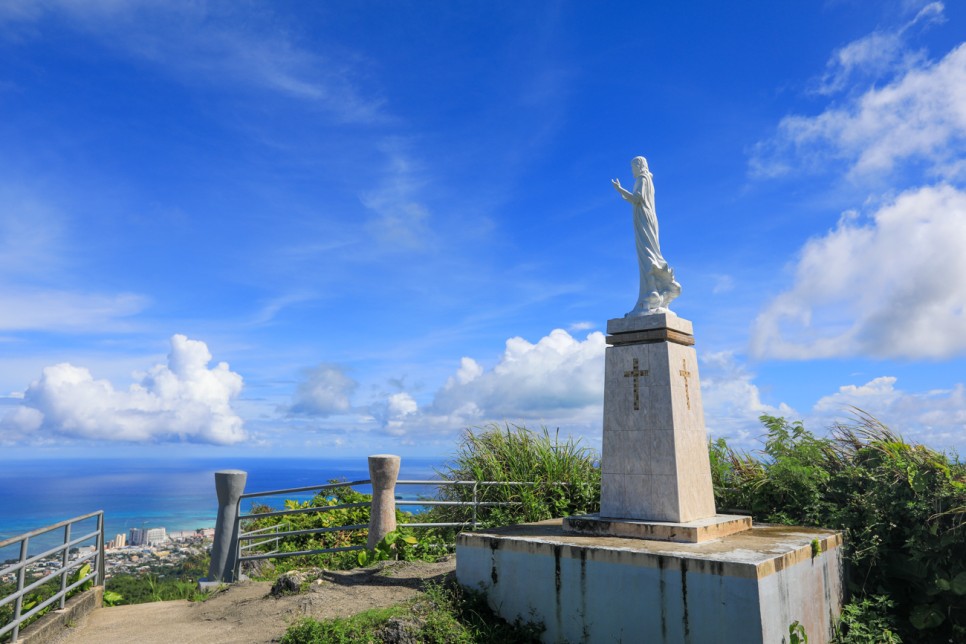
<point>685,373</point>
<point>636,373</point>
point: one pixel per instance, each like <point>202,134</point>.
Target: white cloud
<point>215,43</point>
<point>324,391</point>
<point>183,400</point>
<point>36,258</point>
<point>892,286</point>
<point>732,402</point>
<point>55,310</point>
<point>722,284</point>
<point>399,406</point>
<point>531,381</point>
<point>401,220</point>
<point>920,117</point>
<point>877,54</point>
<point>559,382</point>
<point>936,418</point>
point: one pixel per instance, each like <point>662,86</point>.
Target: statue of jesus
<point>658,287</point>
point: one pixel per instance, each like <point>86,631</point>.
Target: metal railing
<point>66,567</point>
<point>253,535</point>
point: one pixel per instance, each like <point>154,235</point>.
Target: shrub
<point>902,508</point>
<point>566,476</point>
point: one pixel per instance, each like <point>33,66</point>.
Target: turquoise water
<point>177,495</point>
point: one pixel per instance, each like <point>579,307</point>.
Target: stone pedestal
<point>748,587</point>
<point>655,472</point>
<point>657,564</point>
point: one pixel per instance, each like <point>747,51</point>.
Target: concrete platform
<point>716,527</point>
<point>747,587</point>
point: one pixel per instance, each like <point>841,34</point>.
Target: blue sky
<point>348,228</point>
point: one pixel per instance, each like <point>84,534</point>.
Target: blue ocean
<point>176,495</point>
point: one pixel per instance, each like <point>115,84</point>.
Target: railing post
<point>21,579</point>
<point>101,561</point>
<point>476,503</point>
<point>229,486</point>
<point>64,560</point>
<point>383,472</point>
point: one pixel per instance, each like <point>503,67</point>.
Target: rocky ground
<point>251,613</point>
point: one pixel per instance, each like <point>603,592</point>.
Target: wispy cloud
<point>215,43</point>
<point>58,310</point>
<point>878,54</point>
<point>400,219</point>
<point>37,260</point>
<point>890,285</point>
<point>917,118</point>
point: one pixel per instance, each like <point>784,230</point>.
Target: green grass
<point>566,476</point>
<point>444,614</point>
<point>901,506</point>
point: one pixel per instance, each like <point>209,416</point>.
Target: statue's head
<point>639,166</point>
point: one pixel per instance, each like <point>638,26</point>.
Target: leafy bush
<point>166,583</point>
<point>408,544</point>
<point>902,508</point>
<point>566,476</point>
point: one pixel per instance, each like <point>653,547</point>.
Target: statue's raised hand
<point>617,184</point>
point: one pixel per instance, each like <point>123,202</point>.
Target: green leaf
<point>112,598</point>
<point>410,540</point>
<point>958,584</point>
<point>926,616</point>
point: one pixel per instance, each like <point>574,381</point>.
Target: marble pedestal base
<point>716,527</point>
<point>654,465</point>
<point>747,587</point>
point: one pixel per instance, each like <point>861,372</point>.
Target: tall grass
<point>901,506</point>
<point>564,473</point>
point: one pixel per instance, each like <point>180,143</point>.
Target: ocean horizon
<point>151,493</point>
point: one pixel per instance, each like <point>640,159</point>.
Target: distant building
<point>120,540</point>
<point>147,537</point>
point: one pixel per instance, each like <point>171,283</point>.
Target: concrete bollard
<point>383,471</point>
<point>229,485</point>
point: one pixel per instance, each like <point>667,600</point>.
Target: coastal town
<point>139,551</point>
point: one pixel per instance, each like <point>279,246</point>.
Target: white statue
<point>658,287</point>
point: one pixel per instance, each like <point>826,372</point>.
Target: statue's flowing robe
<point>658,287</point>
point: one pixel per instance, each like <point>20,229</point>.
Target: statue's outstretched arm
<point>628,196</point>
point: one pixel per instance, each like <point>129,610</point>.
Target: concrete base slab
<point>748,587</point>
<point>716,527</point>
<point>50,628</point>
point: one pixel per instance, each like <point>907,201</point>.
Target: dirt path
<point>246,613</point>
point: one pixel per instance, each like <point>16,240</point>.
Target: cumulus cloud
<point>936,418</point>
<point>890,286</point>
<point>732,401</point>
<point>323,391</point>
<point>182,400</point>
<point>539,380</point>
<point>557,381</point>
<point>919,117</point>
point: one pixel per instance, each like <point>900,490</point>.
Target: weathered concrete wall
<point>745,588</point>
<point>50,627</point>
